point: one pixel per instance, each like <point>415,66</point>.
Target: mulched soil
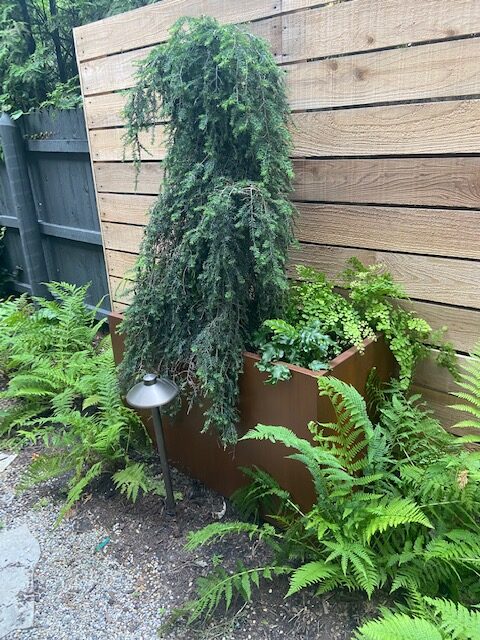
<point>147,547</point>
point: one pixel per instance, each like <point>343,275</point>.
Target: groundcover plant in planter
<point>212,262</point>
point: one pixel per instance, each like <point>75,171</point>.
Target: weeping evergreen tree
<point>212,262</point>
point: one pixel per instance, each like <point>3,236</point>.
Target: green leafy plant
<point>370,306</point>
<point>37,55</point>
<point>375,297</point>
<point>305,346</point>
<point>469,381</point>
<point>212,262</point>
<point>63,380</point>
<point>397,503</point>
<point>436,619</point>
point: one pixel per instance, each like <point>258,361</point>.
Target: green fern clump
<point>469,382</point>
<point>436,619</point>
<point>63,380</point>
<point>397,504</point>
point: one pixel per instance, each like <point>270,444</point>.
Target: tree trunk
<point>62,73</point>
<point>31,46</point>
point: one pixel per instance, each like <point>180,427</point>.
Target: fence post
<point>25,212</point>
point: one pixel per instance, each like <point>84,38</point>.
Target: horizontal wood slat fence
<point>385,97</point>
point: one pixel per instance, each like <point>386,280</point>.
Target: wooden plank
<point>130,209</point>
<point>117,72</point>
<point>439,403</point>
<point>324,31</point>
<point>435,127</point>
<point>108,144</point>
<point>119,307</point>
<point>433,70</point>
<point>122,237</point>
<point>151,24</point>
<point>105,110</point>
<point>412,73</point>
<point>360,25</point>
<point>428,278</point>
<point>120,177</point>
<point>463,325</point>
<point>383,130</point>
<point>441,182</point>
<point>429,374</point>
<point>120,264</point>
<point>121,290</point>
<point>442,232</point>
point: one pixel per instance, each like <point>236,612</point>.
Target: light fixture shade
<point>152,392</point>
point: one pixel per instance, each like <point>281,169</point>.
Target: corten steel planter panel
<point>291,404</point>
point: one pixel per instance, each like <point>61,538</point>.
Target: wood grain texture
<point>441,182</point>
<point>129,209</point>
<point>121,290</point>
<point>442,232</point>
<point>428,278</point>
<point>429,374</point>
<point>446,280</point>
<point>120,264</point>
<point>435,127</point>
<point>433,70</point>
<point>117,72</point>
<point>361,25</point>
<point>383,130</point>
<point>122,237</point>
<point>408,73</point>
<point>440,402</point>
<point>463,325</point>
<point>107,144</point>
<point>105,110</point>
<point>120,177</point>
<point>151,24</point>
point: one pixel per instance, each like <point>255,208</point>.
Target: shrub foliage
<point>212,263</point>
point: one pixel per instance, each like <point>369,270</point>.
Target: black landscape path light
<point>154,393</point>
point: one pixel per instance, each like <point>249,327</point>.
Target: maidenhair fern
<point>212,262</point>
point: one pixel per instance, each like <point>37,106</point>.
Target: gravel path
<point>126,590</point>
<point>80,593</point>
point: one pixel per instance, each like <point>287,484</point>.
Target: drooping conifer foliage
<point>212,262</point>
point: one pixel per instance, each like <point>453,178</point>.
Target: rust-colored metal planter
<point>291,404</point>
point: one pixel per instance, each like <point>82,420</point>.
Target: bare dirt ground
<point>127,589</point>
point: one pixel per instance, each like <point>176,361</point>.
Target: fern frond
<point>393,513</point>
<point>309,574</point>
<point>398,626</point>
<point>218,530</point>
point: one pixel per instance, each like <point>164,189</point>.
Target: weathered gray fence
<point>47,203</point>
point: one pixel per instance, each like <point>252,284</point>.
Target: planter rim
<point>293,367</point>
